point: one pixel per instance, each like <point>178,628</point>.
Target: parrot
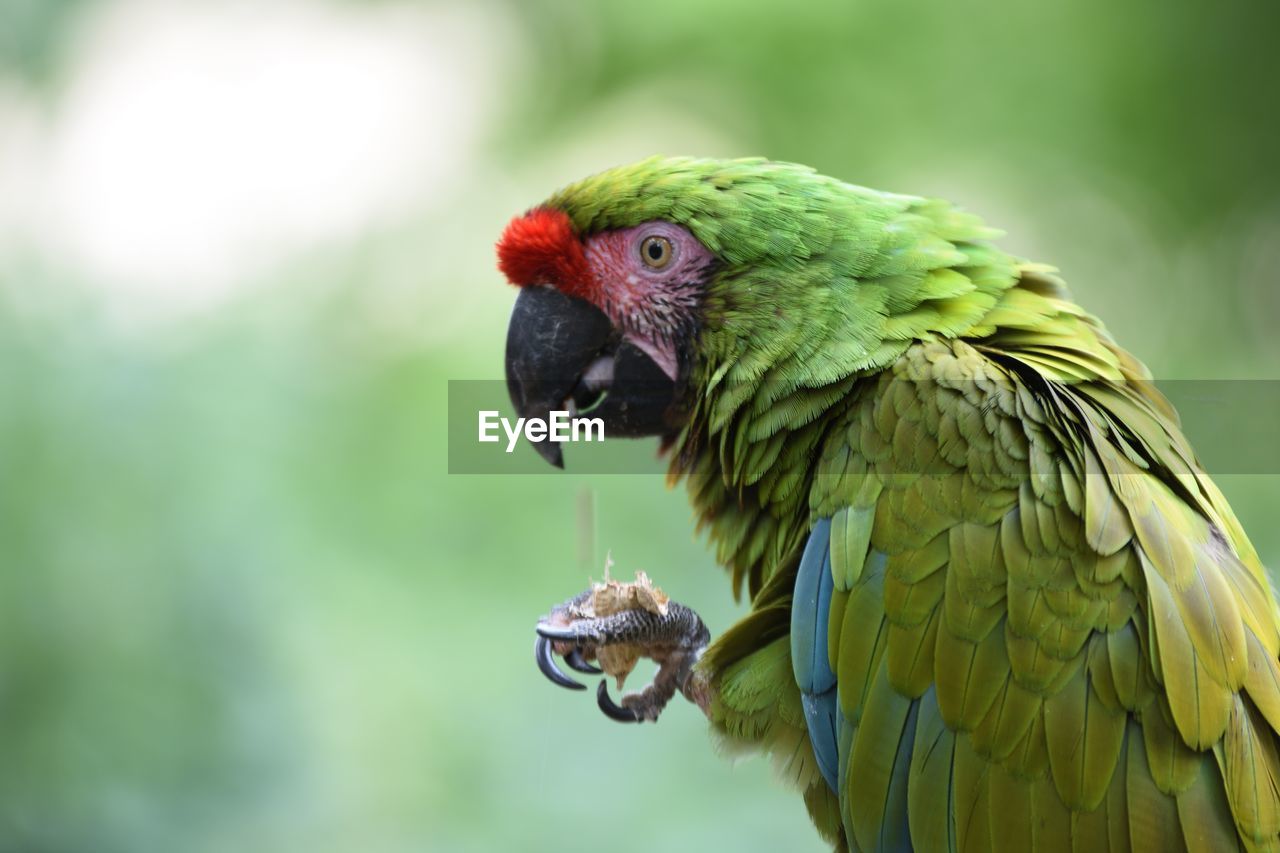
<point>995,602</point>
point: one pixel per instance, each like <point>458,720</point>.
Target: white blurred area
<point>192,147</point>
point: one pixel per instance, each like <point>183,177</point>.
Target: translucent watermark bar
<point>1233,427</point>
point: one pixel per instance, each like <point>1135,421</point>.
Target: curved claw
<point>576,661</point>
<point>542,653</point>
<point>552,632</point>
<point>612,711</point>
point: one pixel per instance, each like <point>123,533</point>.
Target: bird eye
<point>656,252</point>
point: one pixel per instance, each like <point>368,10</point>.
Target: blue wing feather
<point>829,732</point>
<point>810,610</point>
<point>810,613</point>
<point>822,716</point>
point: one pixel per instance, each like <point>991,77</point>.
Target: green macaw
<point>996,602</point>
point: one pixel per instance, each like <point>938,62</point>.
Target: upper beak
<point>564,354</point>
<point>550,341</point>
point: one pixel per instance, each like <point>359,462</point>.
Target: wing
<point>1024,619</point>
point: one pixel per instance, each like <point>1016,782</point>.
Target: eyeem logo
<point>560,427</point>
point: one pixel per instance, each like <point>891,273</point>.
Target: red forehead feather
<point>541,248</point>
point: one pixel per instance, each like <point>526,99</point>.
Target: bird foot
<point>615,625</point>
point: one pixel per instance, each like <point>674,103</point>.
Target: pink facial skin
<point>652,307</point>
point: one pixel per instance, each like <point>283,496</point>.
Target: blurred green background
<point>243,247</point>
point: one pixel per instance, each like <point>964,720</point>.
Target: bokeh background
<point>244,246</point>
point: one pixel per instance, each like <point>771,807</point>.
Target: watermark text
<point>559,426</point>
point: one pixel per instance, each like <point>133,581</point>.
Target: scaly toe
<point>556,632</point>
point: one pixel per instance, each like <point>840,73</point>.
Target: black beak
<point>563,354</point>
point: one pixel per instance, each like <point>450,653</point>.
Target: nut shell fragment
<point>612,596</point>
